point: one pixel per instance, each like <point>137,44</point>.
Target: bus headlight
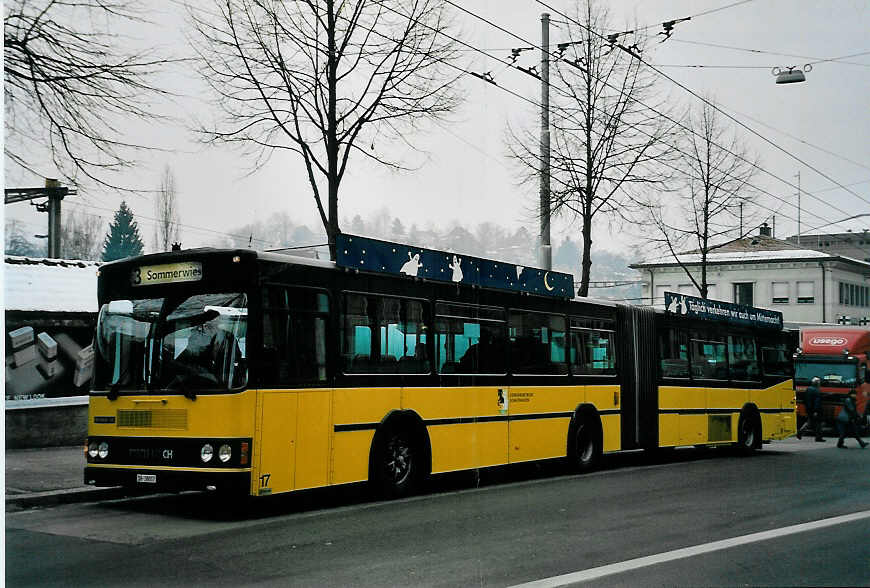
<point>92,449</point>
<point>103,450</point>
<point>206,453</point>
<point>225,453</point>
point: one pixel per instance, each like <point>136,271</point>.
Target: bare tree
<point>166,229</point>
<point>17,242</point>
<point>324,79</point>
<point>607,139</point>
<point>81,235</point>
<point>716,170</point>
<point>68,76</point>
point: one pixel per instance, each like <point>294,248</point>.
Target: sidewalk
<point>51,475</point>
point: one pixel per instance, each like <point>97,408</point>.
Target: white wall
<point>762,276</point>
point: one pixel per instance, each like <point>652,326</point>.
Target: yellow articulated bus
<point>263,373</point>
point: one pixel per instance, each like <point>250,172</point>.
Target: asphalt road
<point>687,517</point>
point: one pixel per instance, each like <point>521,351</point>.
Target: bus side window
<point>274,367</point>
<point>742,358</point>
<point>537,343</point>
<point>469,340</point>
<point>592,348</point>
<point>708,360</point>
<point>775,361</point>
<point>384,334</point>
<point>294,335</point>
<point>674,353</point>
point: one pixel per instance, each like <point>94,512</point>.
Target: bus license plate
<point>146,478</point>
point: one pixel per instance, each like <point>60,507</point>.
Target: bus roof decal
<point>363,253</point>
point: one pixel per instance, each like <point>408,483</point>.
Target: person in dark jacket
<point>846,421</point>
<point>813,404</point>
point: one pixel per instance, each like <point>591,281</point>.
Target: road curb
<point>54,497</point>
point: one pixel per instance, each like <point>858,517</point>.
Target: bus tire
<point>749,431</point>
<point>584,443</point>
<point>397,467</point>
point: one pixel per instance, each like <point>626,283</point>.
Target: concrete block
<point>21,337</point>
<point>48,369</point>
<point>84,366</point>
<point>47,345</point>
<point>24,356</point>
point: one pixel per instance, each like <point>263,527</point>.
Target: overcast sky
<point>465,176</point>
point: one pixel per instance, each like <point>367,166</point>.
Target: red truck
<point>837,355</point>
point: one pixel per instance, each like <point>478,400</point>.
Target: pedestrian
<point>846,421</point>
<point>813,405</point>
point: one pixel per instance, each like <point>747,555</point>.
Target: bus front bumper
<point>172,480</point>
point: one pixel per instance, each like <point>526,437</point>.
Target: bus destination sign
<point>373,255</point>
<point>167,273</point>
<point>717,310</point>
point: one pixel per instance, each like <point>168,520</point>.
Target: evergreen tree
<point>123,239</point>
<point>398,230</point>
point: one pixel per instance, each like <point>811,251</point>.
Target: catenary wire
<point>707,102</point>
<point>538,105</point>
<point>682,126</point>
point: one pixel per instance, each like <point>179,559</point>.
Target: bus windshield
<point>182,343</point>
<point>831,374</point>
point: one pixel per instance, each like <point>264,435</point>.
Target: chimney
<point>764,230</point>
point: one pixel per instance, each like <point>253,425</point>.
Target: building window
<point>711,292</point>
<point>806,293</point>
<point>743,293</point>
<point>780,292</point>
<point>660,293</point>
<point>854,295</point>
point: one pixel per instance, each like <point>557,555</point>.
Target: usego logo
<point>828,341</point>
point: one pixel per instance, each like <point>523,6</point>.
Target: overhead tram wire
<point>704,100</point>
<point>717,66</point>
<point>712,10</point>
<point>651,109</point>
<point>807,143</point>
<point>154,221</point>
<point>675,21</point>
<point>810,59</point>
<point>538,105</point>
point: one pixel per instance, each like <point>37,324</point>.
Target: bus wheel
<point>397,466</point>
<point>749,433</point>
<point>585,449</point>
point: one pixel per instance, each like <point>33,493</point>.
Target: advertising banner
<point>716,310</point>
<point>373,255</point>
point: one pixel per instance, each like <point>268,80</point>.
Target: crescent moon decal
<point>546,284</point>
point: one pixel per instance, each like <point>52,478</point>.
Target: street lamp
<point>791,75</point>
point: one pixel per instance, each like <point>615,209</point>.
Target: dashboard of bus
<point>181,344</point>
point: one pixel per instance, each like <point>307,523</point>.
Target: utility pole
<point>799,207</point>
<point>55,193</point>
<point>741,220</point>
<point>546,248</point>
